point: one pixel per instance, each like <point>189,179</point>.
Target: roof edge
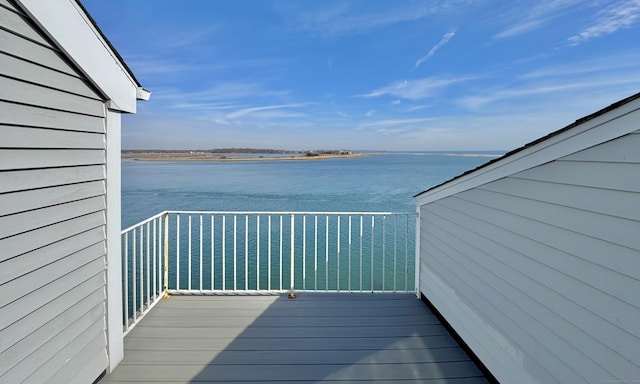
<point>579,122</point>
<point>68,24</point>
<point>106,40</point>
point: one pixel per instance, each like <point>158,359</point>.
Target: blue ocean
<point>249,254</point>
<point>379,182</point>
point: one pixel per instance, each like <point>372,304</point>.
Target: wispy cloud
<point>253,110</point>
<point>395,122</point>
<point>444,40</point>
<point>185,39</point>
<point>159,66</point>
<point>224,92</point>
<point>547,92</point>
<point>206,106</point>
<point>529,18</point>
<point>391,131</point>
<point>416,89</point>
<point>416,108</point>
<point>345,18</point>
<point>610,20</point>
<point>605,64</point>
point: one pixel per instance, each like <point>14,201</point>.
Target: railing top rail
<point>346,213</point>
<point>289,213</point>
<point>145,221</point>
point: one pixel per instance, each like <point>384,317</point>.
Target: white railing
<point>207,252</point>
<point>144,251</point>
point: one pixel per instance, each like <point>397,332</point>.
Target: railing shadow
<point>328,338</point>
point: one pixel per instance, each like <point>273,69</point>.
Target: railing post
<point>166,256</point>
<point>417,254</point>
<point>292,294</point>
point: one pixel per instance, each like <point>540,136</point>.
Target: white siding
<point>539,271</point>
<point>52,212</point>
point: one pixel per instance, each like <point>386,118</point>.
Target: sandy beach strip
<point>217,157</point>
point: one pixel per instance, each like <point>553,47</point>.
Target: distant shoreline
<point>218,157</point>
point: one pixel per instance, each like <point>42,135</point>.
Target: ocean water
<point>376,183</point>
<point>383,182</point>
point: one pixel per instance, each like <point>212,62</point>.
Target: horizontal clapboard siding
<point>25,137</point>
<point>539,271</point>
<point>52,211</point>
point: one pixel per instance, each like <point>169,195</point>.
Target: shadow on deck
<point>334,337</point>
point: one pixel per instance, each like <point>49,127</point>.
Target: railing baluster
<point>292,236</point>
<point>326,253</point>
<point>148,276</point>
<point>280,252</point>
<point>269,253</point>
<point>165,288</point>
<point>338,256</point>
<point>373,219</point>
<point>178,251</point>
<point>349,277</point>
<point>246,252</point>
<point>200,264</point>
<point>304,252</point>
<point>406,255</point>
<point>384,248</point>
<point>235,252</point>
<point>258,252</point>
<point>213,259</point>
<point>224,251</point>
<point>134,276</point>
<point>395,253</point>
<point>141,272</point>
<point>160,249</point>
<point>155,254</point>
<point>361,225</point>
<point>126,280</point>
<point>189,258</point>
<point>315,260</point>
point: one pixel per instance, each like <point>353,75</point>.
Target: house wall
<point>52,212</point>
<point>539,270</point>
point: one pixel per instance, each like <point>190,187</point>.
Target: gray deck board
<point>332,338</point>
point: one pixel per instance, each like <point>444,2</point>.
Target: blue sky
<point>385,75</point>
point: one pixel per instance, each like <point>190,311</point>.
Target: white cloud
<point>221,96</point>
<point>531,17</point>
<point>561,91</point>
<point>206,106</point>
<point>416,108</point>
<point>345,18</point>
<point>391,131</point>
<point>610,20</point>
<point>395,122</point>
<point>606,64</point>
<point>416,89</point>
<point>444,40</point>
<point>253,110</point>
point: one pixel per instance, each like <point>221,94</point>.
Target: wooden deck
<point>336,338</point>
